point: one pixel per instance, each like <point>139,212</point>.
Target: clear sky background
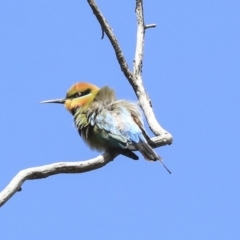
<point>192,74</point>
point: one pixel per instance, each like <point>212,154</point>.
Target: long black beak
<point>61,100</point>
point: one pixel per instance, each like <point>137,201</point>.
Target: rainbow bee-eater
<point>107,123</point>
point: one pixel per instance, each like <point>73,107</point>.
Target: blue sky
<point>191,72</point>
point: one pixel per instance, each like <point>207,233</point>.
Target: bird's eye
<point>79,94</point>
<point>76,95</point>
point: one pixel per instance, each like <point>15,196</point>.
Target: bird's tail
<point>128,153</point>
<point>149,154</point>
<point>125,152</point>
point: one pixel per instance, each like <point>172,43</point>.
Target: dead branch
<point>109,32</point>
<point>53,169</point>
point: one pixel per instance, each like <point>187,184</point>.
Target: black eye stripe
<point>87,91</point>
<point>80,94</point>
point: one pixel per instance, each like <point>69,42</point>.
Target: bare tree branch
<point>109,32</point>
<point>53,169</point>
<point>144,100</point>
<point>135,79</point>
<point>61,167</point>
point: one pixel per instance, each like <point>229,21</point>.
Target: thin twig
<point>150,26</point>
<point>102,32</point>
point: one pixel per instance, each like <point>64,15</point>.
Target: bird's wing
<point>136,114</point>
<point>106,129</point>
<point>116,127</point>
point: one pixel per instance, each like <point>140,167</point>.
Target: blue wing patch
<point>116,127</point>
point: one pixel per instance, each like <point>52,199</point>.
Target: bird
<point>105,123</point>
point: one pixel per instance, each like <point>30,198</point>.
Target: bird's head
<point>79,95</point>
